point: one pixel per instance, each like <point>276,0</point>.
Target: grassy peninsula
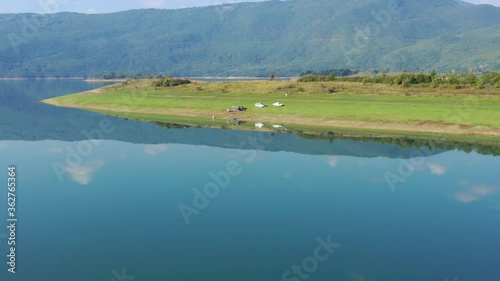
<point>344,106</point>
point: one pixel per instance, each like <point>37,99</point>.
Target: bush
<point>308,78</point>
<point>406,79</point>
<point>170,82</point>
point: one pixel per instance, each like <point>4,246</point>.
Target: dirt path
<point>432,127</point>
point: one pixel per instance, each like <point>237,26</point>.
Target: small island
<point>416,105</point>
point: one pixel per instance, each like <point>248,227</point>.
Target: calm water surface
<point>110,210</point>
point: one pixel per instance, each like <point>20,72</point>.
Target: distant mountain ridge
<point>282,37</point>
<point>465,4</point>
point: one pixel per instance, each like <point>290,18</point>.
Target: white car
<point>278,126</point>
<point>259,125</point>
<point>260,105</point>
<point>278,104</point>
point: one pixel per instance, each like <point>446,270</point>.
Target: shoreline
<point>356,128</point>
<point>374,109</point>
<point>104,80</point>
<point>306,130</point>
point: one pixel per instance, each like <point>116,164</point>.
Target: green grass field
<point>320,106</point>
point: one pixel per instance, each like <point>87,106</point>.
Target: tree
<point>272,77</point>
<point>331,77</point>
<point>470,79</point>
<point>433,73</point>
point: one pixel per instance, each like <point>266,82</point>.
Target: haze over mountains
<point>282,37</point>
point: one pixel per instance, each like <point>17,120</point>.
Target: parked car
<point>277,126</point>
<point>239,108</point>
<point>260,105</point>
<point>278,104</point>
<point>259,125</point>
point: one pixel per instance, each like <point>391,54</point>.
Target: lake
<point>143,201</point>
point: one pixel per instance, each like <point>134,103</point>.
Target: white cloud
<point>154,149</point>
<point>465,197</point>
<point>475,193</point>
<point>156,4</point>
<point>333,161</point>
<point>84,174</point>
<point>437,169</point>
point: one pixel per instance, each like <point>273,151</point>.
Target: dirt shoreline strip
<point>430,127</point>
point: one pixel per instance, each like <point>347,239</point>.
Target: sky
<point>100,6</point>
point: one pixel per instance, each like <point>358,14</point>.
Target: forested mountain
<point>282,37</point>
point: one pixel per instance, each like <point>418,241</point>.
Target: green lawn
<point>327,105</point>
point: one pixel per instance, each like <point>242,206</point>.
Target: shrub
<point>170,82</point>
<point>406,79</point>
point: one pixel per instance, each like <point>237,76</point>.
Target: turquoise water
<point>113,211</point>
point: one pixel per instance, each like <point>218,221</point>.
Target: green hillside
<point>284,37</point>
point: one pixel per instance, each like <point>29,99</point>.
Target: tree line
<point>407,142</point>
<point>327,72</point>
<point>454,80</point>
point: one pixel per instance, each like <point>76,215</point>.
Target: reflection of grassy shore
<point>316,107</point>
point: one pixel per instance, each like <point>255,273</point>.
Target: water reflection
<point>23,117</point>
<point>268,217</point>
<point>116,205</point>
